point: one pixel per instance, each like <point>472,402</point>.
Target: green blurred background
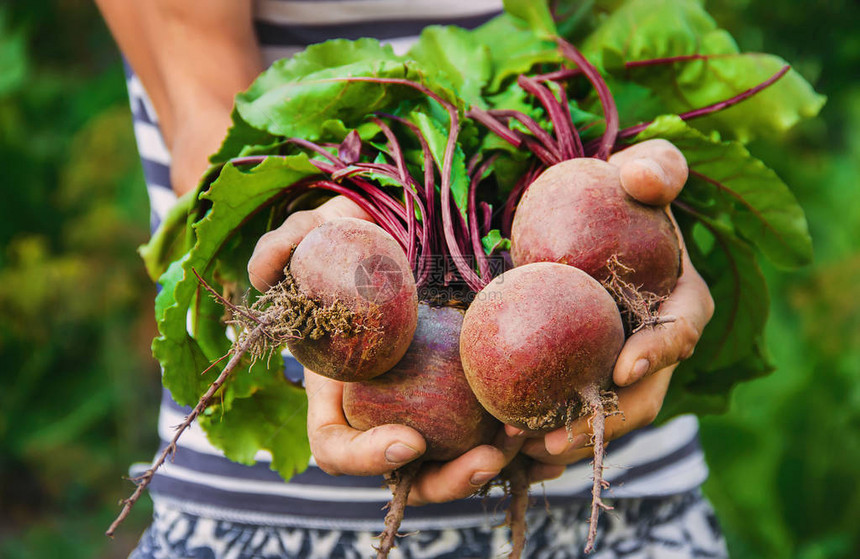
<point>80,390</point>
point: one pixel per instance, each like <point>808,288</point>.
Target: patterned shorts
<point>676,527</point>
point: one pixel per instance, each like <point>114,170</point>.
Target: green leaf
<point>636,104</point>
<point>740,297</point>
<point>177,352</point>
<point>296,109</point>
<point>437,138</point>
<point>272,419</point>
<point>494,241</point>
<point>296,96</point>
<point>535,14</point>
<point>731,347</point>
<point>645,29</point>
<point>708,391</point>
<point>169,242</point>
<point>322,57</point>
<point>759,204</point>
<point>241,138</point>
<point>14,61</point>
<point>520,51</point>
<point>235,195</point>
<point>456,55</point>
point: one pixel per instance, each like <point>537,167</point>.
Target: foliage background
<point>80,389</point>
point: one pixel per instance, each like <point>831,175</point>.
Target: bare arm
<point>192,59</point>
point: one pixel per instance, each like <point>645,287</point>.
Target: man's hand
<point>653,172</point>
<point>341,450</point>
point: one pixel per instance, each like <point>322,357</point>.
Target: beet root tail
<point>594,402</point>
<point>516,474</point>
<point>400,481</point>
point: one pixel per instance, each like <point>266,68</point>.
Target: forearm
<point>192,59</point>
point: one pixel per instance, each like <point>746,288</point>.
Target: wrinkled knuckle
<point>669,152</point>
<point>416,498</point>
<point>611,431</point>
<point>424,495</point>
<point>321,457</point>
<point>307,220</point>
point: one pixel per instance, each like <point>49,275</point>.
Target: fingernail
<point>399,452</point>
<point>641,367</point>
<point>480,478</point>
<point>516,434</point>
<point>653,166</point>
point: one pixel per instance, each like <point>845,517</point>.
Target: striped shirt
<point>651,462</point>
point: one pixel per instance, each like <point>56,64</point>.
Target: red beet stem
<point>251,159</point>
<point>487,119</point>
<point>567,73</point>
<point>383,219</point>
<point>707,109</point>
<point>610,111</point>
<point>557,115</point>
<point>514,198</point>
<point>430,245</point>
<point>408,195</point>
<point>542,136</point>
<point>316,148</point>
<point>460,261</point>
<point>574,133</point>
<point>451,238</point>
<point>477,245</point>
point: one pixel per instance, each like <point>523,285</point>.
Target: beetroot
<point>361,304</point>
<point>427,391</point>
<point>535,340</point>
<point>538,346</point>
<point>577,213</point>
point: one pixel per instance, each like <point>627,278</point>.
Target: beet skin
<point>536,339</point>
<point>426,390</point>
<point>577,213</point>
<point>357,264</point>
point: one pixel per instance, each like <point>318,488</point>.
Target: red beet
<point>538,346</point>
<point>356,273</point>
<point>535,339</point>
<point>427,391</point>
<point>577,213</point>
